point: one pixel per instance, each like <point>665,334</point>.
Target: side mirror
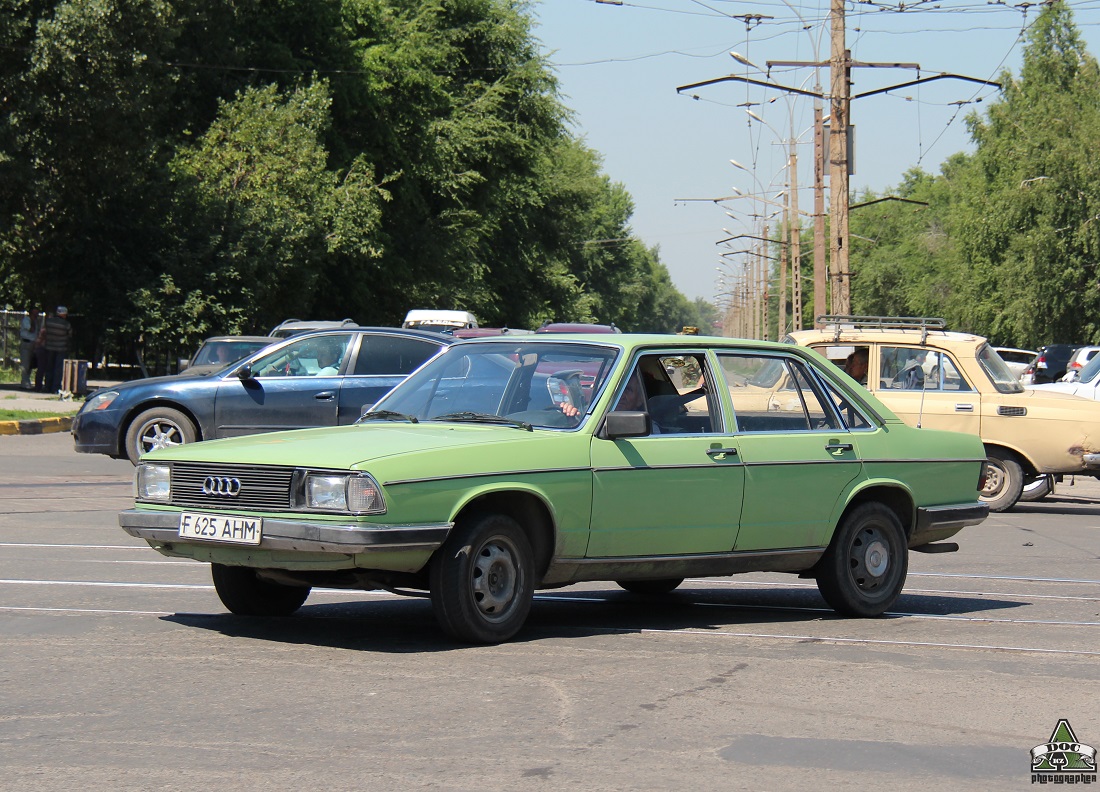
<point>366,409</point>
<point>627,423</point>
<point>244,373</point>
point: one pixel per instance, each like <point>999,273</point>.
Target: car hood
<point>1049,388</point>
<point>403,448</point>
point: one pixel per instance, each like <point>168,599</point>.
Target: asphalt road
<point>120,670</point>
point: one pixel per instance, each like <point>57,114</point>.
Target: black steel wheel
<point>863,570</point>
<point>663,586</point>
<point>245,593</point>
<point>159,427</point>
<point>1004,480</point>
<point>482,579</point>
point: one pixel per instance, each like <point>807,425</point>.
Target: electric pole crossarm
<point>944,76</point>
<point>750,81</point>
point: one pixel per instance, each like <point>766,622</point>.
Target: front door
<point>294,387</point>
<point>677,491</point>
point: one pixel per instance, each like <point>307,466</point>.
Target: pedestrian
<point>28,334</point>
<point>58,334</point>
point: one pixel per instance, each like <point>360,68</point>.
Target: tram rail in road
<point>121,669</point>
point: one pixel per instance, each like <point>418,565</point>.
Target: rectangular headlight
<point>357,493</point>
<point>153,482</point>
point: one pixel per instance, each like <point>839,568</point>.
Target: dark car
<point>315,379</point>
<point>218,352</point>
<point>1050,364</point>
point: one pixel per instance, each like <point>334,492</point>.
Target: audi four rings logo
<point>221,485</point>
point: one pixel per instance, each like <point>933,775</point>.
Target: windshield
<point>998,371</point>
<point>542,385</point>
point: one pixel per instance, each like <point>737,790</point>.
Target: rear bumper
<point>940,522</point>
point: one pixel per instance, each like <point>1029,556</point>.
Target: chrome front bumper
<point>163,528</point>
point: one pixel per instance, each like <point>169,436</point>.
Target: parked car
<point>506,465</point>
<point>938,379</point>
<point>289,327</point>
<point>439,321</point>
<point>1078,361</point>
<point>289,385</point>
<point>1017,360</point>
<point>1049,365</point>
<point>220,351</point>
<point>1086,384</point>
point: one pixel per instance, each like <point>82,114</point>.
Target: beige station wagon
<point>937,379</point>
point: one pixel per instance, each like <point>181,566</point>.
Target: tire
<point>1037,489</point>
<point>1004,480</point>
<point>243,592</point>
<point>160,427</point>
<point>650,586</point>
<point>863,570</point>
<point>482,579</point>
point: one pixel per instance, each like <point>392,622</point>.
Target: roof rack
<point>842,322</point>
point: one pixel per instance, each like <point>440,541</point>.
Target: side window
<point>772,394</point>
<point>673,389</point>
<point>951,379</point>
<point>852,416</point>
<point>306,357</point>
<point>908,368</point>
<point>381,355</point>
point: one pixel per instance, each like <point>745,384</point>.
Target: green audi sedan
<point>510,464</point>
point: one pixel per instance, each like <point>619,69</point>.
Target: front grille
<point>261,488</point>
<point>1015,412</point>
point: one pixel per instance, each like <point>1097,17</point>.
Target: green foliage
<point>1009,244</point>
<point>177,169</point>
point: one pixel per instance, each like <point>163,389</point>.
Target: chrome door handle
<point>964,408</point>
<point>836,448</point>
<point>721,452</point>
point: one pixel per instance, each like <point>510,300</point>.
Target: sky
<point>619,67</point>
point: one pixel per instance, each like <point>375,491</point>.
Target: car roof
<point>268,339</point>
<point>577,327</point>
<point>925,331</point>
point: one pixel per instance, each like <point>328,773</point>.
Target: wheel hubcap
<point>160,435</point>
<point>494,578</point>
<point>994,479</point>
<point>869,559</point>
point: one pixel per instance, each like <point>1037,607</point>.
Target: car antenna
<point>923,388</point>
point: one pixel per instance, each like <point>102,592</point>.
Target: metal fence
<point>9,336</point>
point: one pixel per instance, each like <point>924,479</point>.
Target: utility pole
<point>765,279</point>
<point>796,241</point>
<point>820,281</point>
<point>840,86</point>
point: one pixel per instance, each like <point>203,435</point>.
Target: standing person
<point>28,334</point>
<point>58,335</point>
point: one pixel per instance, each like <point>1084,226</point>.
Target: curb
<point>36,426</point>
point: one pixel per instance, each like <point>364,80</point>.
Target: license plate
<point>221,528</point>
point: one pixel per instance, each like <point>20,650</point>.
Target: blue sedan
<point>316,379</point>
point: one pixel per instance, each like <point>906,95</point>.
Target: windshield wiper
<point>476,417</point>
<point>387,415</point>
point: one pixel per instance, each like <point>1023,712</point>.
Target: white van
<point>440,321</point>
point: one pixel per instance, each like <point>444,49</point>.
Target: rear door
<point>799,457</point>
<point>381,362</point>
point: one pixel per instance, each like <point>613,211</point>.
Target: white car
<point>1078,362</point>
<point>1016,359</point>
<point>1086,384</point>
